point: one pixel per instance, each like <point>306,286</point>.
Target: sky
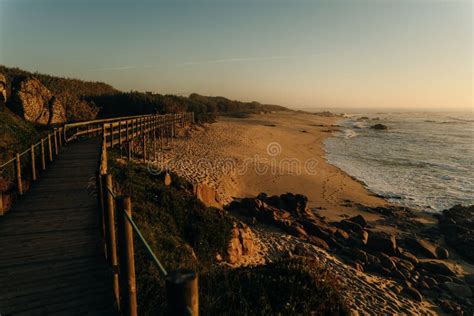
<point>404,54</point>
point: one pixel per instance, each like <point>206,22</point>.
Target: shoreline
<point>333,196</point>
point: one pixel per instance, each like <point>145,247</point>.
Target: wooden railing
<point>118,227</point>
<point>115,212</point>
<point>25,167</point>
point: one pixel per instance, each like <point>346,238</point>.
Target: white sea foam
<point>415,163</point>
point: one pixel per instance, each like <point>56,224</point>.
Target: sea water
<point>423,160</point>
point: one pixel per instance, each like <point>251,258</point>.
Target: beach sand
<point>277,153</point>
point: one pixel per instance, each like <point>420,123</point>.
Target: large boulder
<point>240,244</point>
<point>422,247</point>
<point>384,242</point>
<point>31,100</point>
<point>436,267</point>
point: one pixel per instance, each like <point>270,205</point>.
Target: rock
<point>379,241</point>
<point>364,236</point>
<point>413,293</point>
<point>349,225</point>
<point>35,103</point>
<point>436,267</point>
<point>409,257</point>
<point>240,243</point>
<point>359,219</point>
<point>341,234</point>
<point>469,279</point>
<point>57,114</point>
<point>405,264</point>
<point>457,225</point>
<point>458,290</point>
<point>431,282</point>
<point>275,201</point>
<point>379,127</point>
<point>205,193</point>
<point>3,91</point>
<point>318,242</point>
<point>422,247</point>
<point>387,262</point>
<point>360,255</point>
<point>451,307</point>
<point>442,253</point>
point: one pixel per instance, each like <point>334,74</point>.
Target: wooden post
<point>18,174</point>
<point>60,137</point>
<point>56,151</point>
<point>144,148</point>
<point>154,144</point>
<point>43,160</point>
<point>182,293</point>
<point>33,163</point>
<point>129,150</point>
<point>104,136</point>
<point>101,201</point>
<point>103,159</point>
<point>2,208</point>
<point>127,260</point>
<point>111,239</point>
<point>120,133</point>
<point>127,134</point>
<point>50,148</point>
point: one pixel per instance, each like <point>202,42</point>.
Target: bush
<point>298,286</point>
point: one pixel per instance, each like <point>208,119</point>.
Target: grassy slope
<point>186,234</point>
<point>16,134</point>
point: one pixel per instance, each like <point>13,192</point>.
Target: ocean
<point>423,160</point>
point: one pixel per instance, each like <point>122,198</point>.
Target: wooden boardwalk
<point>51,256</point>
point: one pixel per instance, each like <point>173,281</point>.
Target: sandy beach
<point>273,153</point>
<point>277,153</point>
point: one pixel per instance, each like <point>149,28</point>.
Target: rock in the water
<point>458,290</point>
<point>457,225</point>
<point>35,103</point>
<point>436,267</point>
<point>379,127</point>
<point>384,242</point>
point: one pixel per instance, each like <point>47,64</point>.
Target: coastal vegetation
<point>184,233</point>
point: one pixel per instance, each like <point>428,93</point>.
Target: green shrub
<point>298,286</point>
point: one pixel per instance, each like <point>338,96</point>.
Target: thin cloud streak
<point>207,62</point>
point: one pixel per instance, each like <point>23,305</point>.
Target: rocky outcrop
<point>3,90</point>
<point>457,225</point>
<point>205,194</point>
<point>241,243</point>
<point>35,103</point>
<point>357,242</point>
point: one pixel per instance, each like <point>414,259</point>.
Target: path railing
<point>31,162</point>
<point>118,227</point>
<point>27,166</point>
<point>115,212</point>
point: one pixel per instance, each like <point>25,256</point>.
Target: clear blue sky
<point>296,53</point>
